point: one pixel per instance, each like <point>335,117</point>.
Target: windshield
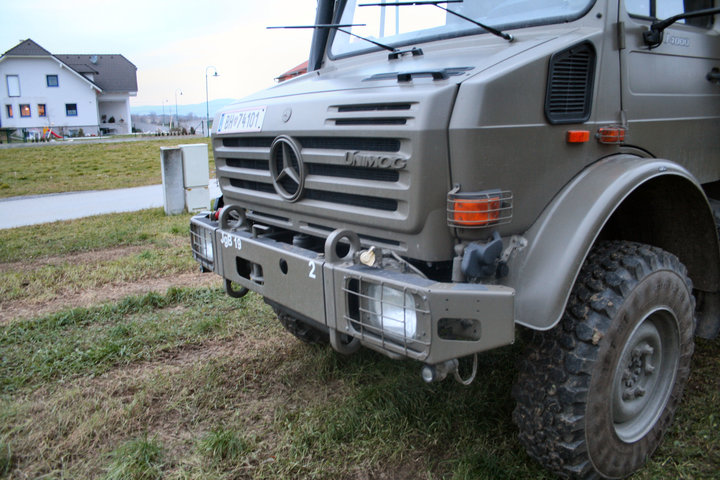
<point>404,25</point>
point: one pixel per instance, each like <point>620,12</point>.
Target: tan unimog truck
<point>449,173</point>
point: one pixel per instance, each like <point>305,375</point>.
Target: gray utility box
<point>185,177</point>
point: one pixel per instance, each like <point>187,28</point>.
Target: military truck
<point>450,174</point>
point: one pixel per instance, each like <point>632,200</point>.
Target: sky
<point>172,42</point>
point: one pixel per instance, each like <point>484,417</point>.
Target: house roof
<point>294,72</point>
<point>110,73</point>
<point>27,48</point>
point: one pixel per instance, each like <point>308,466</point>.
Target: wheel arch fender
<point>600,203</point>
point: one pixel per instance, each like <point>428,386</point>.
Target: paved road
<point>21,211</point>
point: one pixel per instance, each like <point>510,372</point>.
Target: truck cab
<point>447,173</point>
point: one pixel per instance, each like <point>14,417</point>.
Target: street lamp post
<point>207,99</point>
<point>177,118</point>
<point>162,120</point>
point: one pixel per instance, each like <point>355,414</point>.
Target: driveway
<point>32,210</point>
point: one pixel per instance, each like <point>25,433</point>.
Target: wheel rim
<point>645,375</point>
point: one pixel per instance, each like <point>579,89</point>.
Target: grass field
<point>66,167</point>
<point>187,383</point>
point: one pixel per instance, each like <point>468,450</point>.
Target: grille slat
<point>370,121</point>
<point>358,173</point>
<point>369,144</point>
<point>365,201</point>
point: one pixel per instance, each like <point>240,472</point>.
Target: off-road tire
<point>300,329</point>
<point>579,408</point>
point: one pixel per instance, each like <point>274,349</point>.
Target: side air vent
<point>378,114</point>
<point>570,85</point>
<point>373,107</point>
<point>371,121</point>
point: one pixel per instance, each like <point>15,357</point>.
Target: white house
<point>45,94</point>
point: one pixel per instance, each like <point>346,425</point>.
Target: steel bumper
<point>431,322</point>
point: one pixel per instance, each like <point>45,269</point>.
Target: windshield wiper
<point>490,29</point>
<point>339,27</point>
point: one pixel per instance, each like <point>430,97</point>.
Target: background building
<point>45,95</point>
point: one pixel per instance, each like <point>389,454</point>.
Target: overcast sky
<point>172,42</point>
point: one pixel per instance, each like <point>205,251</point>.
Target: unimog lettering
<point>357,159</point>
<point>560,175</point>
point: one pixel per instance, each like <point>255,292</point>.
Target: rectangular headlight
<point>388,311</point>
<point>201,241</point>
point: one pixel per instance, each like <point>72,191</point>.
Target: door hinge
<point>620,35</point>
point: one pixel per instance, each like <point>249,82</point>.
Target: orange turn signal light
<point>578,136</point>
<point>612,135</point>
<point>476,212</point>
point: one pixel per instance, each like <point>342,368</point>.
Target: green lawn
<point>71,167</point>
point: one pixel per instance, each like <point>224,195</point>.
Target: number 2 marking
<point>311,264</point>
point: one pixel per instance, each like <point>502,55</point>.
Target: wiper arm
<point>490,29</point>
<point>654,36</point>
<point>339,27</point>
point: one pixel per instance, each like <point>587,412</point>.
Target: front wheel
<point>596,394</point>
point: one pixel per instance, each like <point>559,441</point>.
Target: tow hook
<point>439,371</point>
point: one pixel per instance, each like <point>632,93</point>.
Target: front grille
<point>369,168</point>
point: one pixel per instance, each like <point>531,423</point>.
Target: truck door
<point>671,103</point>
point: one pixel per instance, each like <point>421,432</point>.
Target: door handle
<point>714,75</point>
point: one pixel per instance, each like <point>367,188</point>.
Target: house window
<point>9,110</point>
<point>41,110</point>
<point>71,109</point>
<point>24,110</point>
<point>13,85</point>
<point>52,80</point>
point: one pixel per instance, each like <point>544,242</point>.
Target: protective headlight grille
<point>479,209</point>
<point>395,319</point>
<point>201,241</point>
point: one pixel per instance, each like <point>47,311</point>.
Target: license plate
<point>245,120</point>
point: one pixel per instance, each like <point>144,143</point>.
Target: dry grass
<point>188,383</point>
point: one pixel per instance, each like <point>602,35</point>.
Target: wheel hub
<point>645,375</point>
<point>638,372</point>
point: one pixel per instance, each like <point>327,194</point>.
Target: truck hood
<point>441,63</point>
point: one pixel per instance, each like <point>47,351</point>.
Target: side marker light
<point>578,136</point>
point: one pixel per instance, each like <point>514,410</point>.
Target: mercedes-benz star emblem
<point>287,168</point>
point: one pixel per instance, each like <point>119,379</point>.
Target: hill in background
<point>197,109</point>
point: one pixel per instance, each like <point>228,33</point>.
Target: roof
<point>27,48</point>
<point>294,72</point>
<point>111,73</point>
